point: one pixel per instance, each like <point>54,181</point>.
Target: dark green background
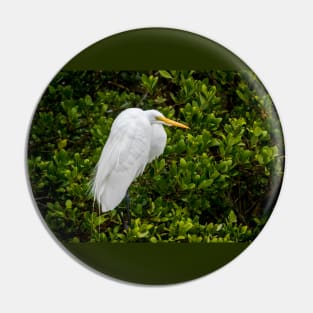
<point>161,263</point>
<point>147,49</point>
<point>155,48</point>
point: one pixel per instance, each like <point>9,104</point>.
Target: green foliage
<point>211,184</point>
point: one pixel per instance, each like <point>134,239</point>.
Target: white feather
<point>135,139</point>
<point>158,141</point>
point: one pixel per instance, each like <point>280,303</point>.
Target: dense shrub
<point>213,182</point>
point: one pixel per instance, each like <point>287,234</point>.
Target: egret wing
<point>123,158</point>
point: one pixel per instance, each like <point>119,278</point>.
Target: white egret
<point>136,138</point>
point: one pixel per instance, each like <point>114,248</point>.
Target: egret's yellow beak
<point>171,122</point>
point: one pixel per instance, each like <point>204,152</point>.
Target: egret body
<point>136,138</point>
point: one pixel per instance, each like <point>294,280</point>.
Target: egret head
<point>156,117</point>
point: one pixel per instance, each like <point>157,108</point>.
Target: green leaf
<point>182,162</point>
<point>257,131</point>
<point>68,204</point>
<point>165,74</point>
<point>206,183</point>
<point>88,100</point>
<point>153,239</point>
<point>232,218</point>
<point>142,234</point>
<point>62,143</point>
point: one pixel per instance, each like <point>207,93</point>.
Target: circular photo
<point>158,168</point>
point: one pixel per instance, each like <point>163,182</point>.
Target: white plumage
<point>136,138</point>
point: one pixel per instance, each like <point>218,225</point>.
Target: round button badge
<point>155,156</point>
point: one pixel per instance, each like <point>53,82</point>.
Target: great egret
<point>136,138</point>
